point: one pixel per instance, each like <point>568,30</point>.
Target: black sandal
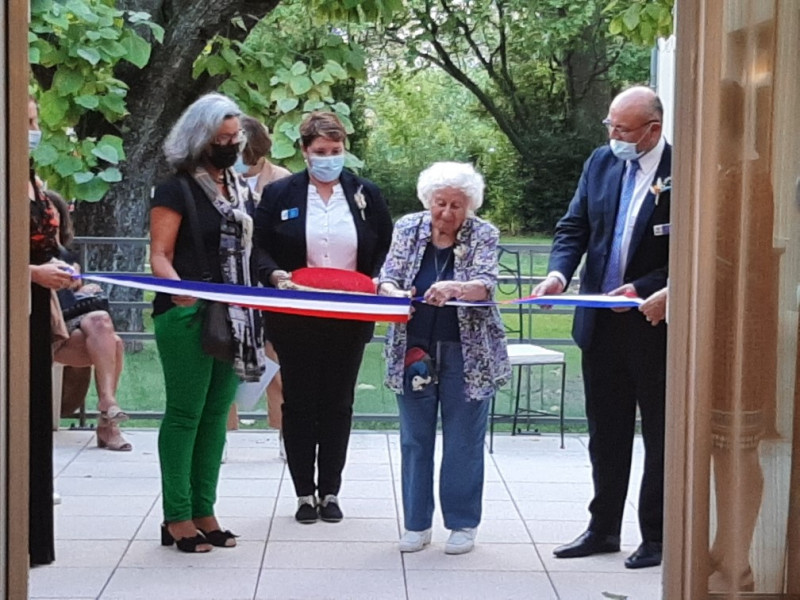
<point>184,544</point>
<point>219,538</point>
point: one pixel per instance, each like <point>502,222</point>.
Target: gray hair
<point>455,175</point>
<point>196,128</point>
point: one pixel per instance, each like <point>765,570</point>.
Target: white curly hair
<point>451,175</point>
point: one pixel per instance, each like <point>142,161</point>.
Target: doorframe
<point>14,300</point>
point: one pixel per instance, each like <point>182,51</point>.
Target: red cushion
<point>340,280</point>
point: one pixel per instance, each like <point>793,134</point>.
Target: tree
<point>544,70</point>
<point>157,93</point>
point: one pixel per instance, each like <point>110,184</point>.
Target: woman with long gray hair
<point>201,149</point>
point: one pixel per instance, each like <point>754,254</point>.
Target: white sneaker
<point>414,541</point>
<point>461,541</point>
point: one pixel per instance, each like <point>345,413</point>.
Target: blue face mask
<point>325,168</point>
<point>240,167</point>
<point>34,137</point>
<point>624,150</point>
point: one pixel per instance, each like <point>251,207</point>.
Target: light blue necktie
<point>613,276</point>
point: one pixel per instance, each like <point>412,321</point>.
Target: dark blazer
<point>588,228</point>
<point>281,241</point>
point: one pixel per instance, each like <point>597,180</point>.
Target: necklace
<point>448,253</point>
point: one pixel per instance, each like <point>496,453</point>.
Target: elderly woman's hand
<point>443,291</point>
<point>387,288</point>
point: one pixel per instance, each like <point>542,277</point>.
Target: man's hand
<point>655,307</point>
<point>551,285</point>
<point>623,290</point>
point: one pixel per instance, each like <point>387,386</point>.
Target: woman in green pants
<point>201,149</point>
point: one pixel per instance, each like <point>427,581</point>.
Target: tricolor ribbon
<point>332,304</point>
<point>337,305</point>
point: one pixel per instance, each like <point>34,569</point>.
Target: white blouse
<point>331,239</point>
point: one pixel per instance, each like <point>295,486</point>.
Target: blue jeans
<point>463,433</point>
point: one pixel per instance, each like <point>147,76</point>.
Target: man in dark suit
<point>619,218</point>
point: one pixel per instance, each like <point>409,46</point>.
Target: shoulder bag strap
<point>194,225</point>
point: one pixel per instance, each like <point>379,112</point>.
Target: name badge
<point>290,213</point>
<point>662,229</point>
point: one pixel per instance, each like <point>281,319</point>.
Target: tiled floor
<point>107,529</point>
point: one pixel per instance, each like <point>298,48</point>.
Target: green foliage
<point>641,21</point>
<point>543,70</point>
<point>416,119</point>
<point>73,48</point>
<point>287,67</point>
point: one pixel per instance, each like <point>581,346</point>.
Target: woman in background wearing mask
<point>253,163</point>
<point>321,217</point>
<point>201,149</point>
<point>259,172</point>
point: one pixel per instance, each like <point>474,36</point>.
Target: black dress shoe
<point>588,543</point>
<point>648,554</point>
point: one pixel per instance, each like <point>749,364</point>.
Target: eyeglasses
<point>229,139</point>
<point>622,130</point>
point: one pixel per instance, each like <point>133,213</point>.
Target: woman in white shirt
<point>321,217</point>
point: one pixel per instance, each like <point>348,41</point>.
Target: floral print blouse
<point>483,338</point>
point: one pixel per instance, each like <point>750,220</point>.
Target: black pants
<point>320,359</point>
<point>40,500</point>
<point>625,367</point>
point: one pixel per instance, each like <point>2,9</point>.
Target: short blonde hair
<point>451,175</point>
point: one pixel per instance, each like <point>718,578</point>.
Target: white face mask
<point>626,150</point>
<point>34,137</point>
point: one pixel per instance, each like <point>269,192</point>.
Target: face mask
<point>223,157</point>
<point>326,168</point>
<point>240,167</point>
<point>626,150</point>
<point>34,137</point>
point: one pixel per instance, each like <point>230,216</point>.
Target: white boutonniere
<point>361,202</point>
<point>661,186</point>
<point>459,251</point>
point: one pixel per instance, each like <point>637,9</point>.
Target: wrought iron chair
<point>523,355</point>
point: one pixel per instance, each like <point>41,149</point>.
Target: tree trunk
<point>157,96</point>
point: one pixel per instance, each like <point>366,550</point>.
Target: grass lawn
<point>142,384</point>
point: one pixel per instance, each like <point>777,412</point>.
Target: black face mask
<point>223,157</point>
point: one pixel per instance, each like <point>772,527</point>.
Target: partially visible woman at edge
<point>259,172</point>
<point>320,217</point>
<point>446,358</point>
<point>47,273</point>
<point>201,149</point>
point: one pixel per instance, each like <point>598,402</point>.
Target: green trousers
<point>200,390</point>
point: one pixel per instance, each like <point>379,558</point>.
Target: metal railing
<point>531,257</point>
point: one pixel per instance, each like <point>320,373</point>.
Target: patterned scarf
<point>235,246</point>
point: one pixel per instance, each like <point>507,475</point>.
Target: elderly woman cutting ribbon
<point>453,358</point>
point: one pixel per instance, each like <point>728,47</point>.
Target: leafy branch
<point>73,49</point>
